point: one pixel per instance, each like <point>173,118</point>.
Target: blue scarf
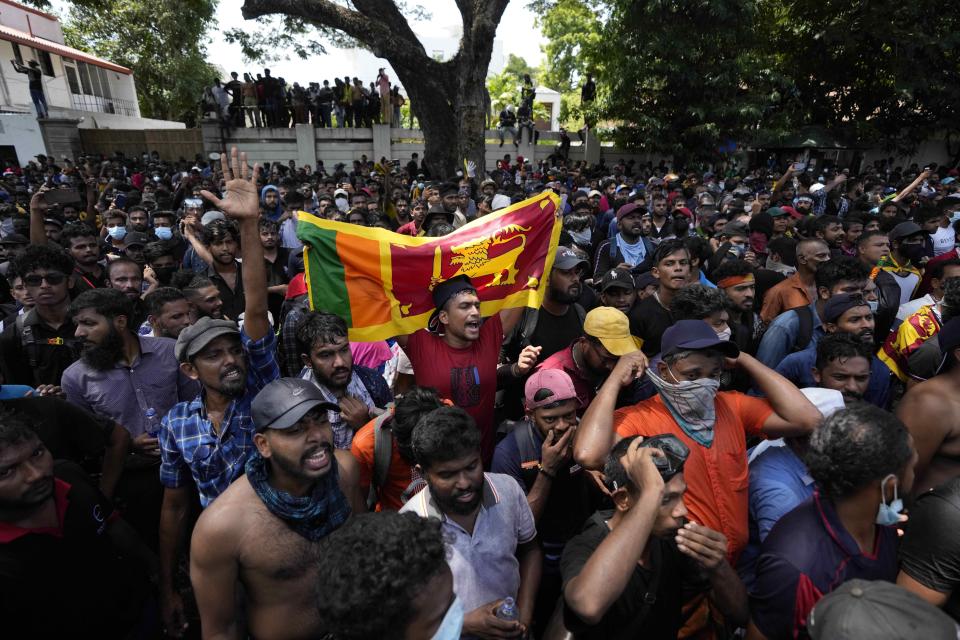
<point>314,516</point>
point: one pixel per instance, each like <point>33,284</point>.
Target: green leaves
<point>163,43</point>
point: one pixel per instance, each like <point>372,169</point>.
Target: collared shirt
<point>484,564</point>
<point>190,446</point>
<point>779,481</point>
<point>789,294</point>
<point>366,385</point>
<point>124,394</point>
<point>778,340</point>
<point>807,555</point>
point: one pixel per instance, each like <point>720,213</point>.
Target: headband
<point>732,281</point>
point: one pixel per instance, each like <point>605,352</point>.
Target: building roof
<point>22,37</point>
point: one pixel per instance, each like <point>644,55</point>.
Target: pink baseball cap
<point>547,386</point>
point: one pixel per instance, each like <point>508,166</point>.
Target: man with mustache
<point>488,526</point>
<point>60,538</point>
<point>846,313</point>
<point>130,380</point>
<point>262,531</point>
<point>359,393</point>
<point>206,441</point>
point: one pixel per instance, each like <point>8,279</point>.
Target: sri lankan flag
<point>380,282</point>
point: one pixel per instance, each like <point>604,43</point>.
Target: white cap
<point>827,401</point>
<point>500,201</point>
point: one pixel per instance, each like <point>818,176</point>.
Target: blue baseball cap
<point>694,335</point>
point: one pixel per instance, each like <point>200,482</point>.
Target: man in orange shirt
<point>401,481</point>
<point>714,425</point>
<point>800,289</point>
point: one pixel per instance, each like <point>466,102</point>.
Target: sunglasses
<point>52,278</point>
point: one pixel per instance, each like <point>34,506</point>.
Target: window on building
<point>16,53</point>
<point>84,78</point>
<point>104,82</point>
<point>46,62</point>
<point>72,79</point>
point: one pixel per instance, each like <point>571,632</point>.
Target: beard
<point>104,356</point>
<point>565,296</point>
<point>296,468</point>
<point>450,504</point>
<point>36,495</point>
<point>233,388</point>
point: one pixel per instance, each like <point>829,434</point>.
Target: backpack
<point>382,455</point>
<point>805,331</point>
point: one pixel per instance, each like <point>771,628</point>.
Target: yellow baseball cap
<point>612,328</point>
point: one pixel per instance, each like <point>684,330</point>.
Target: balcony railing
<point>97,104</point>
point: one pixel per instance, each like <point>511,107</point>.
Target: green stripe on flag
<point>328,290</point>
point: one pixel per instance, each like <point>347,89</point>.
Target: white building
<point>76,84</point>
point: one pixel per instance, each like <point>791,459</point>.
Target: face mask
<point>874,305</point>
<point>912,252</point>
<point>889,514</point>
<point>691,402</point>
<point>452,622</point>
<point>163,233</point>
<point>725,334</point>
<point>165,274</point>
<point>582,237</point>
<point>117,233</point>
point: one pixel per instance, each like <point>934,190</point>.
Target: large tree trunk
<point>448,97</point>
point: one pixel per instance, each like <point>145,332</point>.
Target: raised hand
<point>243,198</point>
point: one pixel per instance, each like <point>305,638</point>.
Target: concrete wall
<point>22,131</point>
<point>40,24</point>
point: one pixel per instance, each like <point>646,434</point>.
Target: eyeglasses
<point>675,453</point>
<point>53,278</point>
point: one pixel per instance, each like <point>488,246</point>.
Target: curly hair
<point>372,569</point>
<point>15,428</point>
<point>76,230</point>
<point>841,346</point>
<point>697,302</point>
<point>36,257</point>
<point>415,403</point>
<point>108,303</point>
<point>445,434</point>
<point>319,328</point>
<point>856,447</point>
<point>729,268</point>
<point>840,269</point>
<point>220,230</point>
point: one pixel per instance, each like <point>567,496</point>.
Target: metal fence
<point>97,104</point>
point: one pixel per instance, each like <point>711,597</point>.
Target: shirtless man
<point>931,411</point>
<point>265,528</point>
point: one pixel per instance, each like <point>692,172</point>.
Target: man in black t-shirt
<point>623,576</point>
<point>69,566</point>
<point>650,317</point>
<point>930,553</point>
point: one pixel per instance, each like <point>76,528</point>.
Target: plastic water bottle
<point>508,610</point>
<point>152,422</point>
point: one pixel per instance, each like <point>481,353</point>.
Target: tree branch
<point>378,25</point>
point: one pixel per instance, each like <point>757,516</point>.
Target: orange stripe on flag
<point>369,305</point>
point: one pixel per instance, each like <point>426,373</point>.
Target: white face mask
<point>725,334</point>
<point>452,622</point>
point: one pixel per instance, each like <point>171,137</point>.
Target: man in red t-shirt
<point>459,360</point>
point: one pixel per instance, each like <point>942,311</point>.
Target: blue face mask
<point>452,622</point>
<point>163,233</point>
<point>889,514</point>
<point>117,233</point>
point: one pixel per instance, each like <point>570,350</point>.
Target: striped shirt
<point>189,446</point>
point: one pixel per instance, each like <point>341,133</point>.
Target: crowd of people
<point>262,100</point>
<point>732,414</point>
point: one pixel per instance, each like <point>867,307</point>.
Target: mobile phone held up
<point>61,196</point>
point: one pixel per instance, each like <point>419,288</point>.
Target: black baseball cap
<point>449,288</point>
<point>695,335</point>
<point>617,277</point>
<point>283,402</point>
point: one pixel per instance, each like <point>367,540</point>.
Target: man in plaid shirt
<point>206,441</point>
